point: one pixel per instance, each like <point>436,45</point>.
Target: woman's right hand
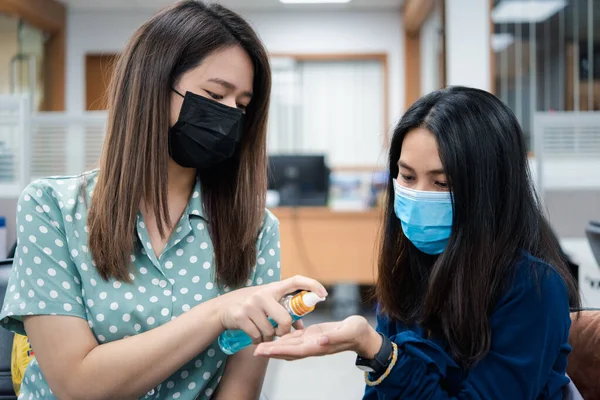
<point>248,309</point>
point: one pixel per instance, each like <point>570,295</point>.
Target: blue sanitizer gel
<point>298,305</point>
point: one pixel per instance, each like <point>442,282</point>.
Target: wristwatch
<point>378,364</point>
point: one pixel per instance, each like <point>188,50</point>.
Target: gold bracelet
<point>387,371</point>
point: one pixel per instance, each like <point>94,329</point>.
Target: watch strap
<point>383,357</point>
<point>380,362</point>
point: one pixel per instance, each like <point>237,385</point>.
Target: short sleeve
<point>44,280</point>
<point>268,260</point>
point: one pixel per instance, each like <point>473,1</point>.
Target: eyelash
<point>215,96</point>
<point>408,178</point>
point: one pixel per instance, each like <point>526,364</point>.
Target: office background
<point>343,74</point>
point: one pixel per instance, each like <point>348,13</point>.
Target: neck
<point>180,184</point>
<point>180,181</point>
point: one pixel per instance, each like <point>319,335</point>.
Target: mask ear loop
<point>175,90</point>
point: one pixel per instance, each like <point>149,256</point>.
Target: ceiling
<point>264,5</point>
<point>575,16</point>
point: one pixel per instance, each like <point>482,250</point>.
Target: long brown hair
<point>133,165</point>
<point>496,218</point>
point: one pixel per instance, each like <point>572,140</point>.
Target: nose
<point>229,101</point>
<point>422,187</point>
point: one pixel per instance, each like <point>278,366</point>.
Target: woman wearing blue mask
<point>473,296</point>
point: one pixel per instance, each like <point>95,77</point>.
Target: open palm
<point>317,340</point>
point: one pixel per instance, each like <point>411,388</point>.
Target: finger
<point>292,340</point>
<point>284,358</point>
<point>298,325</point>
<point>337,337</point>
<point>344,334</point>
<point>299,283</point>
<point>278,314</point>
<point>291,335</point>
<point>251,330</point>
<point>307,349</point>
<point>266,349</point>
<point>259,318</point>
<point>295,334</point>
<point>287,341</point>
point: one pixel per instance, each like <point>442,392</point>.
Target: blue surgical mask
<point>426,217</point>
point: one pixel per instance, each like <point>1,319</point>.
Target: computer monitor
<point>593,235</point>
<point>300,180</point>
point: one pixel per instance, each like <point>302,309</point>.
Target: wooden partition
<point>50,17</point>
<point>414,14</point>
<point>330,246</point>
<point>99,70</point>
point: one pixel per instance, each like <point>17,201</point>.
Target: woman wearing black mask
<point>473,291</point>
<point>125,276</point>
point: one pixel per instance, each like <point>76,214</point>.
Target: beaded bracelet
<point>387,371</point>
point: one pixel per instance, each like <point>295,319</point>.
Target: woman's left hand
<point>353,334</point>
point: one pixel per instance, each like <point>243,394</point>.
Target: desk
<point>330,246</point>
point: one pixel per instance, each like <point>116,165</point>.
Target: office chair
<point>6,340</point>
<point>570,392</point>
<point>11,252</point>
<point>593,235</point>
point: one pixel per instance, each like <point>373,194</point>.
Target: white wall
<point>468,43</point>
<point>282,32</point>
<point>94,32</point>
<point>339,32</point>
<point>430,50</point>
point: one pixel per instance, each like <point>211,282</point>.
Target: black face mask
<point>206,133</point>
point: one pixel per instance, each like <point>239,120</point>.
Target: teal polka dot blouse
<point>53,274</point>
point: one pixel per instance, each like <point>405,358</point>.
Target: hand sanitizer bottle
<point>297,305</point>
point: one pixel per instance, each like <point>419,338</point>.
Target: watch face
<point>365,368</point>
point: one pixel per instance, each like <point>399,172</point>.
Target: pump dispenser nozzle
<point>303,303</point>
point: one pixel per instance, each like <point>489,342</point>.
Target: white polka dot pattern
<point>54,274</point>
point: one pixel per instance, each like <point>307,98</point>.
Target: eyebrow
<point>229,86</point>
<point>411,169</point>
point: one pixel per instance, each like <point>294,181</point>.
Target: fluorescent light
<point>523,11</point>
<point>314,1</point>
<point>501,41</point>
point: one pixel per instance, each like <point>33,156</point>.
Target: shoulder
<point>532,272</point>
<point>269,220</point>
<point>268,262</point>
<point>535,286</point>
<point>63,189</point>
<point>269,228</point>
<point>60,201</point>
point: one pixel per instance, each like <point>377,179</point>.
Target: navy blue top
<point>528,355</point>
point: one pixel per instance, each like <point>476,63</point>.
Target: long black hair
<point>497,216</point>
